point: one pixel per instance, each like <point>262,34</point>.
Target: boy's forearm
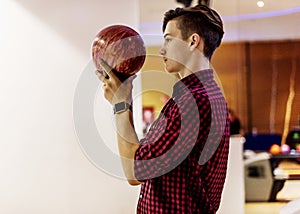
<point>128,143</point>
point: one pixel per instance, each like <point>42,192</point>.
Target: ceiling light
<point>260,3</point>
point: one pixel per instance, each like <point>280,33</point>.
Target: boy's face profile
<point>175,50</point>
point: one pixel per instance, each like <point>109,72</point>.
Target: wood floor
<point>264,208</point>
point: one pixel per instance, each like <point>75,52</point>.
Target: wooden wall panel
<point>229,63</point>
<point>269,60</point>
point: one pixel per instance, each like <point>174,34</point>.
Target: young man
<point>182,161</point>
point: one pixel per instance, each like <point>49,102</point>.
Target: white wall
<point>45,46</point>
<point>282,27</point>
<point>233,196</point>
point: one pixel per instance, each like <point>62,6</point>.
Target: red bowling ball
<point>121,48</point>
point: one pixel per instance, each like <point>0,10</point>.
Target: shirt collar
<point>192,81</point>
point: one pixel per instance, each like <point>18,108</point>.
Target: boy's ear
<point>194,41</point>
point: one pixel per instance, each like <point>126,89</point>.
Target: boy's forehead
<point>172,29</point>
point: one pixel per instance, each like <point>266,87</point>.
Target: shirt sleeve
<point>169,141</point>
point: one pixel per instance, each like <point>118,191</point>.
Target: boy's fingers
<point>107,69</point>
<point>101,75</point>
<point>105,66</point>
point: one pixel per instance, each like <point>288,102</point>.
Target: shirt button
<point>141,196</point>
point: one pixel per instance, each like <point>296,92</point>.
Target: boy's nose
<point>162,51</point>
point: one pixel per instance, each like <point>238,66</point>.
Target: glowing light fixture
<point>260,3</point>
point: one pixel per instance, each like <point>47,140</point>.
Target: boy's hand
<point>115,91</point>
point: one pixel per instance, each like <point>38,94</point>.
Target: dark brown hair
<point>199,19</point>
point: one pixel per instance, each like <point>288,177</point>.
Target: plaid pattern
<point>183,158</point>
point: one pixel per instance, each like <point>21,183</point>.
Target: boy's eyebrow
<point>167,34</point>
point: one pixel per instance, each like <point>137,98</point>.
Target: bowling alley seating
<point>261,184</point>
<point>263,178</point>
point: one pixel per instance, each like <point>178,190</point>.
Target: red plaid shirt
<point>183,158</point>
